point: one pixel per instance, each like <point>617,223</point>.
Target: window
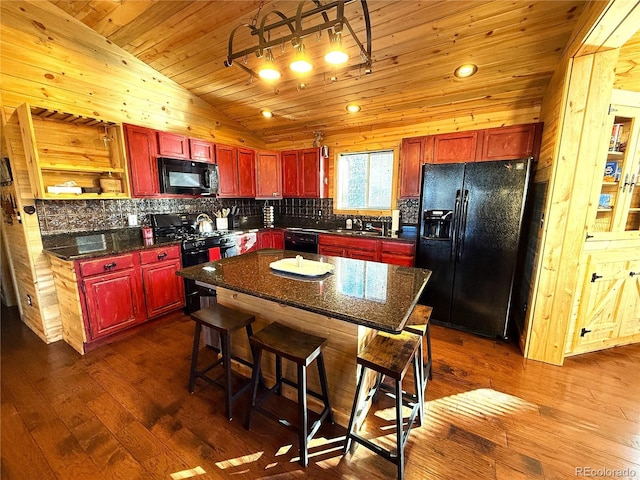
<point>365,181</point>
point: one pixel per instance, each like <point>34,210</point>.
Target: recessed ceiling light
<point>267,113</point>
<point>353,108</point>
<point>466,70</point>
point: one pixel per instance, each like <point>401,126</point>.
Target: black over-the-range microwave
<point>187,177</point>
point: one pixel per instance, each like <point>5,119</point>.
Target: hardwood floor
<point>123,411</point>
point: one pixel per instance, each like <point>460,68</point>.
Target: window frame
<point>394,181</point>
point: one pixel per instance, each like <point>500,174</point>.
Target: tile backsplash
<point>61,216</point>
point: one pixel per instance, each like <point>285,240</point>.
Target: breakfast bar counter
<point>346,306</point>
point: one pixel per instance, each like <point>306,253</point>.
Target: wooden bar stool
<point>302,349</point>
<point>225,321</point>
<point>418,323</point>
<point>389,355</point>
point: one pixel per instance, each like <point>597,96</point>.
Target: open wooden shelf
<point>63,147</point>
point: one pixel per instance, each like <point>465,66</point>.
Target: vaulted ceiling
<point>416,46</point>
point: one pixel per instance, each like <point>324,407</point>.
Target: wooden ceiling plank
<point>122,15</point>
<point>152,16</point>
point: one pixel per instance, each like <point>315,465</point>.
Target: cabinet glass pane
<point>619,202</point>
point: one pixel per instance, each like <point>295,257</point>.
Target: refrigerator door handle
<point>462,231</point>
<point>454,227</point>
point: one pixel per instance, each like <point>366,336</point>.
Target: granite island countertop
<point>372,294</point>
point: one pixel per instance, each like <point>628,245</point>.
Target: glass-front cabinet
<point>617,206</point>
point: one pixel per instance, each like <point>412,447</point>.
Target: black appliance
<point>187,177</point>
<point>196,247</point>
<point>301,242</point>
<point>468,237</point>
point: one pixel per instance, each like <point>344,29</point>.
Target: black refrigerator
<point>468,236</point>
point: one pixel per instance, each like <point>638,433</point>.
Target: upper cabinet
<point>412,152</point>
<point>141,151</point>
<point>510,143</point>
<point>503,143</point>
<point>68,155</point>
<point>459,147</point>
<point>237,171</point>
<point>304,174</point>
<point>173,145</point>
<point>615,205</point>
<point>202,150</point>
<point>268,175</point>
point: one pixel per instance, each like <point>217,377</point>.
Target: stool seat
<point>418,321</point>
<point>299,347</point>
<point>302,349</point>
<point>390,355</point>
<point>225,321</point>
<point>222,319</point>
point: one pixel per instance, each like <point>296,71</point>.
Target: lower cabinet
<point>120,291</point>
<point>113,301</point>
<point>374,250</point>
<point>271,239</point>
<point>163,289</point>
<point>609,309</point>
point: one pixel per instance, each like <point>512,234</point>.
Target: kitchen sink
<point>357,233</point>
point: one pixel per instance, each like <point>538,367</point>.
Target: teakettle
<point>204,223</point>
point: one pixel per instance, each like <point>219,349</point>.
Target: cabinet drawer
<point>160,254</point>
<point>106,265</point>
<point>401,248</point>
<point>348,242</point>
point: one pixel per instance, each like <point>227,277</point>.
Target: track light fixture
<point>332,19</point>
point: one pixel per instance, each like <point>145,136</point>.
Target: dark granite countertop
<point>77,246</point>
<point>82,245</point>
<point>372,294</point>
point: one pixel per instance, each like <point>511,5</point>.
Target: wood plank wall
<point>51,60</point>
<point>36,292</point>
<point>573,112</point>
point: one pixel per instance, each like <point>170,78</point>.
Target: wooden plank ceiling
<point>416,47</point>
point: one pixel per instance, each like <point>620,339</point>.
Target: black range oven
<point>196,248</point>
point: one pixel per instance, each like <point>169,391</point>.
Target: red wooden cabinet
<point>173,145</point>
<point>236,171</point>
<point>290,188</point>
<point>112,295</point>
<point>304,174</point>
<point>271,239</point>
<point>397,253</point>
<point>311,174</point>
<point>268,175</point>
<point>246,173</point>
<point>227,171</point>
<point>458,147</point>
<point>412,156</point>
<point>163,289</point>
<point>202,150</point>
<point>375,250</point>
<point>510,143</point>
<point>143,166</point>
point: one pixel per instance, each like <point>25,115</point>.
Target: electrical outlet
<point>319,213</point>
<point>133,220</point>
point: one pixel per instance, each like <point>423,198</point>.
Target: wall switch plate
<point>133,220</point>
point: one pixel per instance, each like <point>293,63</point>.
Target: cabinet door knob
<point>109,266</point>
<point>162,255</point>
<point>633,274</point>
<point>595,277</point>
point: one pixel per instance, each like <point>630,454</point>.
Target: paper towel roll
<point>395,220</point>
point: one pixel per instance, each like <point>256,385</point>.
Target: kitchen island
<point>346,306</point>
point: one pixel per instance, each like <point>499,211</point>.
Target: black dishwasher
<point>301,242</point>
